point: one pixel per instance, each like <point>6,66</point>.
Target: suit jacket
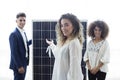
<point>18,51</point>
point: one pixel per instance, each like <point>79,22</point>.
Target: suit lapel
<point>19,35</point>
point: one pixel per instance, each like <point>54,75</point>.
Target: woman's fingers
<point>49,42</point>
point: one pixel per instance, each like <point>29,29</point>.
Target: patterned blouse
<point>99,52</point>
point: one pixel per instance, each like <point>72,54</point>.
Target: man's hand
<point>21,70</point>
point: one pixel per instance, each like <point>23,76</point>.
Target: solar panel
<point>42,63</point>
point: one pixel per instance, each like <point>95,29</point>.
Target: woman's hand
<point>49,42</point>
<point>94,70</point>
<point>97,68</point>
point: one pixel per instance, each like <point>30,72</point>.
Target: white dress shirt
<point>68,58</point>
<point>98,52</point>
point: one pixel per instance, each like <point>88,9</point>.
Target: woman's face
<point>66,27</point>
<point>97,32</point>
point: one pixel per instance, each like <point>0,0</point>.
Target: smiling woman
<point>97,55</point>
<point>68,50</point>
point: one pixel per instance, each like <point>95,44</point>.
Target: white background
<point>89,10</point>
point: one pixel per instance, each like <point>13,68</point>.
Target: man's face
<point>21,22</point>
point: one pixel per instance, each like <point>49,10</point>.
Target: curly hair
<point>100,24</point>
<point>77,28</point>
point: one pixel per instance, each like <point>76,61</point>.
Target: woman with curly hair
<point>68,51</point>
<point>97,55</point>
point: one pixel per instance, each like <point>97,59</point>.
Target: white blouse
<point>67,64</point>
<point>98,52</point>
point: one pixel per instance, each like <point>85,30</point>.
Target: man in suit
<point>19,46</point>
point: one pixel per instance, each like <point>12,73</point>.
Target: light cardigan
<point>67,64</point>
<point>102,55</point>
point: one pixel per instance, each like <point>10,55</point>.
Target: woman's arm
<point>106,53</point>
<point>97,68</point>
<point>86,58</point>
<point>75,56</point>
<point>52,47</point>
<point>88,65</point>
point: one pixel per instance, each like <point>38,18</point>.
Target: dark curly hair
<point>100,24</point>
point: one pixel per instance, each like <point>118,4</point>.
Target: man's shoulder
<point>13,33</point>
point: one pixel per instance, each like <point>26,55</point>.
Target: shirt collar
<point>21,30</point>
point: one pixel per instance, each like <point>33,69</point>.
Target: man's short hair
<point>21,14</point>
